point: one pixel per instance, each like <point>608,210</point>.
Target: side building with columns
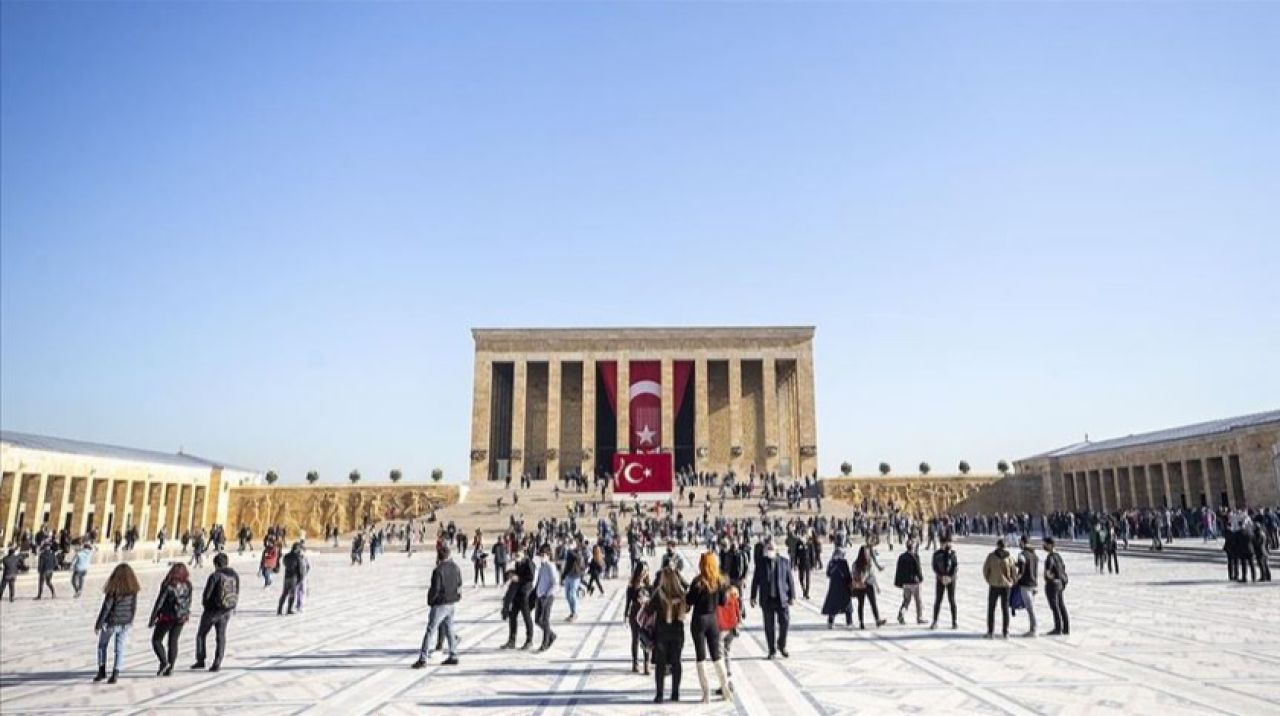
<point>1233,462</point>
<point>82,486</point>
<point>547,402</point>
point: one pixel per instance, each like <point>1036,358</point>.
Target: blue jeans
<point>266,576</point>
<point>571,594</point>
<point>441,618</point>
<point>119,631</point>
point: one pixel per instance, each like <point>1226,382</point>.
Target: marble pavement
<point>1167,635</point>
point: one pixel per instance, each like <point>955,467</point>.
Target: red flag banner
<point>642,474</point>
<point>645,401</point>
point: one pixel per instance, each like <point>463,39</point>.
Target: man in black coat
<point>442,596</point>
<point>221,594</point>
<point>46,565</point>
<point>908,577</point>
<point>774,589</point>
<point>523,603</point>
<point>945,566</point>
<point>11,566</point>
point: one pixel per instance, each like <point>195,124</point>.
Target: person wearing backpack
<point>269,564</point>
<point>119,604</point>
<point>1055,583</point>
<point>169,615</point>
<point>221,594</point>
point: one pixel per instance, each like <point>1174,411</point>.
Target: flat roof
<point>49,443</point>
<point>1184,432</point>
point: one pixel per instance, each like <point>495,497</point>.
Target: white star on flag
<point>646,435</point>
<point>648,472</point>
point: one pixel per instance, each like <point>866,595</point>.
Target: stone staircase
<point>480,508</point>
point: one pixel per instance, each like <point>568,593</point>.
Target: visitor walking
<point>839,599</point>
<point>864,587</point>
<point>169,615</point>
<point>443,595</point>
<point>668,607</point>
<point>706,594</point>
<point>774,589</point>
<point>545,591</point>
<point>219,599</point>
<point>80,566</point>
<point>908,576</point>
<point>119,604</point>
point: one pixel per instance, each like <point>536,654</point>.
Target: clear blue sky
<point>262,231</point>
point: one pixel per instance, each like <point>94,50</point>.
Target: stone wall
<point>924,496</point>
<point>1014,493</point>
<point>310,508</point>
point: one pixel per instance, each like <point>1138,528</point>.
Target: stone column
<point>624,403</point>
<point>80,523</point>
<point>668,406</point>
<point>589,413</point>
<point>735,412</point>
<point>191,509</point>
<point>702,414</point>
<point>63,505</point>
<point>15,495</point>
<point>481,404</point>
<point>769,384</point>
<point>1210,499</point>
<point>37,510</point>
<point>808,427</point>
<point>519,384</point>
<point>108,509</point>
<point>553,419</point>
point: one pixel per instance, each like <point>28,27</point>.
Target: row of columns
<point>1149,485</point>
<point>805,438</point>
<point>109,502</point>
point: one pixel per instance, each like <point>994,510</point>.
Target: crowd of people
<point>765,562</point>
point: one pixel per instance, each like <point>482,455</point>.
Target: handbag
<point>646,623</point>
<point>727,614</point>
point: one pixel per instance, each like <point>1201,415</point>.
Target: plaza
<point>1168,634</point>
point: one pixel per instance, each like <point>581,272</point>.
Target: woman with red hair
<point>169,615</point>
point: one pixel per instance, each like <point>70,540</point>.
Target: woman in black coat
<point>839,599</point>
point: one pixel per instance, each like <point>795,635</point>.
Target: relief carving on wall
<point>924,496</point>
<point>311,509</point>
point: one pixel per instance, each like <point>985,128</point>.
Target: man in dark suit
<point>774,589</point>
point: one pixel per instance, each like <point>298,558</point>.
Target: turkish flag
<point>644,402</point>
<point>642,473</point>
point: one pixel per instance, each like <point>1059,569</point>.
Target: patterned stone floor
<point>1167,635</point>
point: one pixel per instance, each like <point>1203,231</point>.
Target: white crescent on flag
<point>646,387</point>
<point>626,473</point>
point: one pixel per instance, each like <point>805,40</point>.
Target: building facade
<point>547,402</point>
<point>1234,462</point>
<point>81,486</point>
